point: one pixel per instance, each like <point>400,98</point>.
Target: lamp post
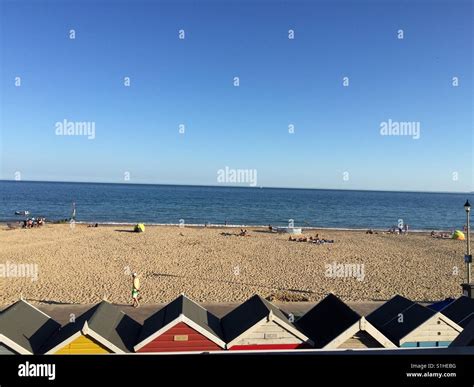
<point>468,259</point>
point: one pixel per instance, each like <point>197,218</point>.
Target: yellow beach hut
<point>100,330</point>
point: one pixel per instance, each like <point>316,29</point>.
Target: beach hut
<point>461,311</point>
<point>332,324</point>
<point>24,329</point>
<point>408,324</point>
<point>257,325</point>
<point>102,329</point>
<point>181,326</point>
<point>466,337</point>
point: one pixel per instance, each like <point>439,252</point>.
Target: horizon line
<point>233,186</point>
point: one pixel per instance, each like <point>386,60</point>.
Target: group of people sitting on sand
<point>316,239</point>
<point>33,222</point>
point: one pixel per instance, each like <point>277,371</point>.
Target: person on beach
<point>405,229</point>
<point>135,290</point>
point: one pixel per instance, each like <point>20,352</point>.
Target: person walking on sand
<point>135,290</point>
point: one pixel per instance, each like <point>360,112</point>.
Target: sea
<point>232,206</point>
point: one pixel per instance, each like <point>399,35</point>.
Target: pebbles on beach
<point>82,265</point>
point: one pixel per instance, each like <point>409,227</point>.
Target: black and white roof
<point>25,328</point>
<point>327,320</point>
<point>410,319</point>
<point>461,311</point>
<point>389,310</point>
<point>466,337</point>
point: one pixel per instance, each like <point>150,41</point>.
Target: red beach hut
<point>181,326</point>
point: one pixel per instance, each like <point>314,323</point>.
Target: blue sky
<point>282,82</point>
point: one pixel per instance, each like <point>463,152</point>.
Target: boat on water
<point>22,213</point>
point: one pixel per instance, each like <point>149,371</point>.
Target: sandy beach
<point>82,265</point>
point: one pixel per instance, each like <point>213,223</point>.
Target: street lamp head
<point>467,206</point>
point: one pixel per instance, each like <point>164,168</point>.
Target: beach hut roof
<point>388,311</point>
<point>105,323</point>
<point>327,320</point>
<point>25,328</point>
<point>182,309</point>
<point>466,337</point>
<point>250,313</point>
<point>114,326</point>
<point>412,317</point>
<point>461,311</point>
<point>440,305</point>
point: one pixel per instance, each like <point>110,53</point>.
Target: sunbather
<point>243,232</point>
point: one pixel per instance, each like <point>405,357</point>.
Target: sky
<point>336,141</point>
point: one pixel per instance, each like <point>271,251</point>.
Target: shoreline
<point>218,225</point>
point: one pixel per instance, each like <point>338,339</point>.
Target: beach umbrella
<point>140,227</point>
<point>459,235</point>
